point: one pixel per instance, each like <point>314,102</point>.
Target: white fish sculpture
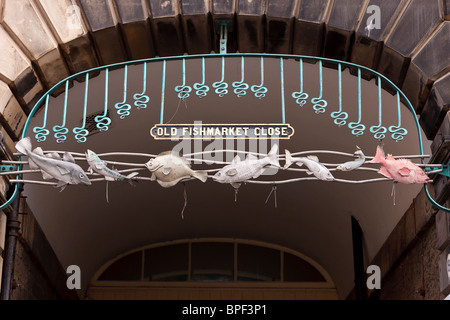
<point>65,170</point>
<point>314,166</point>
<point>168,169</point>
<point>100,166</point>
<point>239,171</point>
<point>352,165</point>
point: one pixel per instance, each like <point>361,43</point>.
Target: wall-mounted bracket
<point>8,168</point>
<point>223,26</point>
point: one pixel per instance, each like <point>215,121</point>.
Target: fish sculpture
<point>99,166</point>
<point>312,163</point>
<point>352,165</point>
<point>401,170</point>
<point>239,171</point>
<point>52,166</point>
<point>168,169</point>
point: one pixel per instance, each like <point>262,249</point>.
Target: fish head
<point>421,176</point>
<point>153,165</point>
<point>328,177</point>
<point>80,177</point>
<point>219,176</point>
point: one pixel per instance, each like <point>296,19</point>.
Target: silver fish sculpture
<point>168,169</point>
<point>100,166</point>
<point>314,166</point>
<point>52,166</point>
<point>239,171</point>
<point>352,165</point>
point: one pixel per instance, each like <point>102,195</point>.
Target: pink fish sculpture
<point>401,170</point>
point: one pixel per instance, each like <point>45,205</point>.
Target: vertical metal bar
<point>358,260</point>
<point>283,115</point>
<point>12,232</point>
<point>163,88</point>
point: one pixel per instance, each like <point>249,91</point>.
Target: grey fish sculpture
<point>239,171</point>
<point>52,166</point>
<point>314,166</point>
<point>168,169</point>
<point>352,165</point>
<point>99,166</point>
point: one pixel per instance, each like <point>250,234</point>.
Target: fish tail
<point>201,175</point>
<point>380,157</point>
<point>273,156</point>
<point>288,159</point>
<point>24,145</point>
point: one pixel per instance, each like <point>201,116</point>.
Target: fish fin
<point>62,185</point>
<point>236,185</point>
<point>236,159</point>
<point>108,178</point>
<point>299,163</point>
<point>98,166</point>
<point>404,172</point>
<point>256,175</point>
<point>273,156</point>
<point>131,175</point>
<point>24,145</point>
<point>379,156</point>
<point>153,177</point>
<point>166,170</point>
<point>385,173</point>
<point>288,158</point>
<point>63,170</point>
<point>231,172</point>
<point>32,164</point>
<point>315,158</point>
<point>251,157</point>
<point>89,170</point>
<point>309,172</point>
<point>390,157</point>
<point>201,175</point>
<point>52,155</point>
<point>39,151</point>
<point>46,176</point>
<point>68,157</point>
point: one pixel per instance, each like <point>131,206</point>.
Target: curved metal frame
<point>400,94</point>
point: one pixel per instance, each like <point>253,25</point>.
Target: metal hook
<point>274,191</point>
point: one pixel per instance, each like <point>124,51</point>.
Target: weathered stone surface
<point>423,209</point>
<point>431,62</point>
<point>135,29</point>
<point>27,89</point>
<point>309,28</point>
<point>341,24</point>
<point>279,23</point>
<point>103,27</point>
<point>12,116</point>
<point>442,230</point>
<point>436,107</point>
<point>166,28</point>
<point>66,22</point>
<point>250,15</point>
<point>370,34</point>
<point>194,19</point>
<point>443,271</point>
<point>417,21</point>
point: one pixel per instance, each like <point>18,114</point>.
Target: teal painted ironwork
<point>183,90</point>
<point>103,121</point>
<point>259,90</point>
<point>8,168</point>
<point>221,86</point>
<point>141,99</point>
<point>283,107</point>
<point>61,131</point>
<point>80,132</point>
<point>40,132</point>
<point>340,116</point>
<point>240,87</point>
<point>300,96</point>
<point>357,127</point>
<point>123,108</point>
<point>379,132</point>
<point>319,104</point>
<point>201,89</point>
<point>397,132</point>
<point>163,92</point>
